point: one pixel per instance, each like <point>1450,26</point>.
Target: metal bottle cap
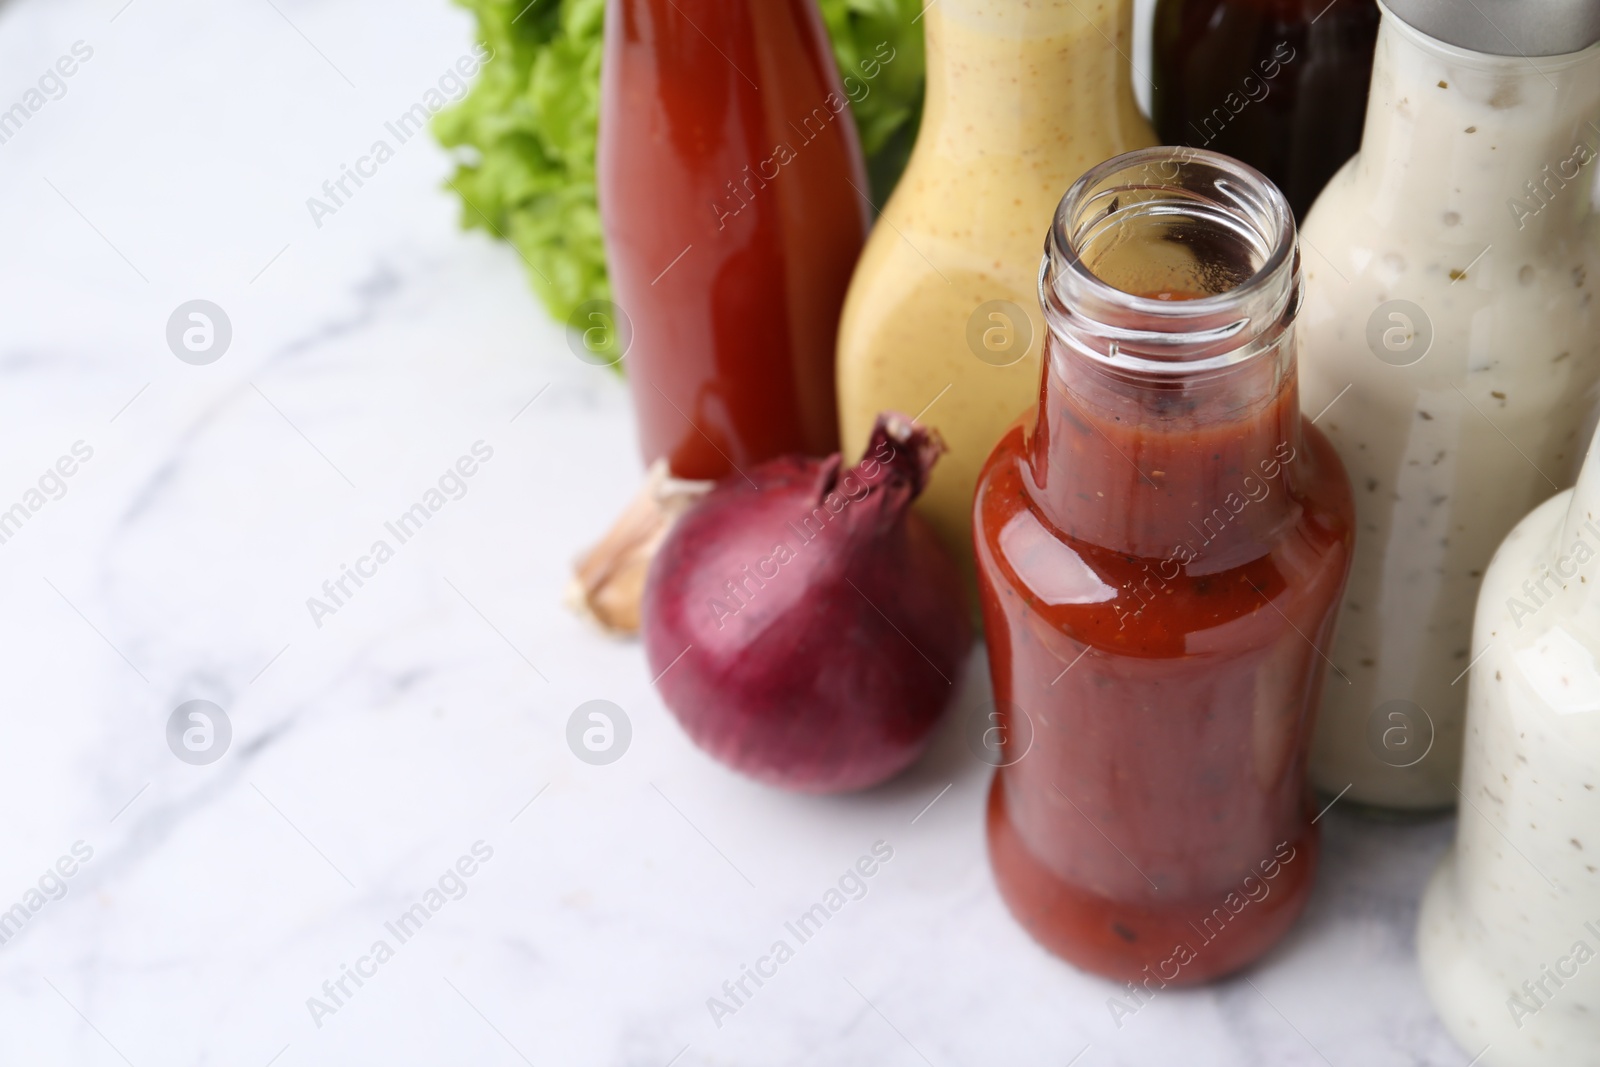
<point>1505,27</point>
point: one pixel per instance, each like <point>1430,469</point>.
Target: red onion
<point>821,626</point>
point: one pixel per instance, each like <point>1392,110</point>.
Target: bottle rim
<point>1152,336</point>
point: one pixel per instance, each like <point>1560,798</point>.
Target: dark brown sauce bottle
<point>1279,84</point>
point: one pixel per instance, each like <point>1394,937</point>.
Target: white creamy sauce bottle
<point>1510,927</point>
<point>1450,349</point>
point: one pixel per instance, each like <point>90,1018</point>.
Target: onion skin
<point>830,659</point>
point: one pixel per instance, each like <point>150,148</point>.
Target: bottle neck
<point>1479,148</point>
<point>1565,587</point>
<point>1002,72</point>
<point>1169,417</point>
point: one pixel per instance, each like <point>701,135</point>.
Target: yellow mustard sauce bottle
<point>942,320</point>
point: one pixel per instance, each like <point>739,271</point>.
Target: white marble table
<point>373,748</point>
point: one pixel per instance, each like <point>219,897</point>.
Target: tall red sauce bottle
<point>1161,550</point>
<point>733,200</point>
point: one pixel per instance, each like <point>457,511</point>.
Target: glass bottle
<point>1509,933</point>
<point>731,192</point>
<point>941,319</point>
<point>1279,84</point>
<point>1451,352</point>
<point>1161,549</point>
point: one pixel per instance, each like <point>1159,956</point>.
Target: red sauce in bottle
<point>1159,563</point>
<point>733,197</point>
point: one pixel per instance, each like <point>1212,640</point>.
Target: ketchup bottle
<point>1279,84</point>
<point>1161,551</point>
<point>733,200</point>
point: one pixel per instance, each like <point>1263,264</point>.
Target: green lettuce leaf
<point>888,114</point>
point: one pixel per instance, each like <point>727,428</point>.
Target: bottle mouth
<point>1171,261</point>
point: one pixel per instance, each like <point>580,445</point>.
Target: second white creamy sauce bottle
<point>1451,351</point>
<point>1509,932</point>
